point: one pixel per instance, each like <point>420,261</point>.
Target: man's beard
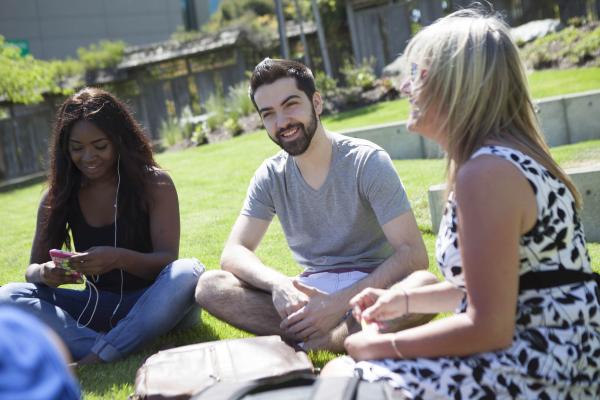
<point>306,134</point>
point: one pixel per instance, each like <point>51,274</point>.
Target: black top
<point>86,236</point>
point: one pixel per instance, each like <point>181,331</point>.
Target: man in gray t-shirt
<point>337,225</point>
<point>344,212</point>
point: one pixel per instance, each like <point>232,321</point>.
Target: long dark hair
<point>136,168</point>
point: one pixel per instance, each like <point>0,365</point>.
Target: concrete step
<point>586,179</point>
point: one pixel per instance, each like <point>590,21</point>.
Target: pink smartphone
<point>61,259</point>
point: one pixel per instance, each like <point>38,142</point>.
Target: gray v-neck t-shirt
<point>338,225</point>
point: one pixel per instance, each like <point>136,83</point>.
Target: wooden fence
<point>24,140</point>
<point>24,137</point>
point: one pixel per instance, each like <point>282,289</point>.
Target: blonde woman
<point>511,245</point>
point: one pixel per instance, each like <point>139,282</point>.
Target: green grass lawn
<point>211,182</point>
<point>542,84</point>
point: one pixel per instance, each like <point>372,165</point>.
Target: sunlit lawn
<point>542,84</point>
<point>211,182</point>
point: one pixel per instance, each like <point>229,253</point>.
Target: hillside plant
<point>327,85</point>
<point>571,47</point>
<point>215,108</point>
<point>360,76</point>
<point>238,101</point>
<point>170,131</point>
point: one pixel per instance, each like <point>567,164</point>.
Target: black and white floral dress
<point>555,352</point>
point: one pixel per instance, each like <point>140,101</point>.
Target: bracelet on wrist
<point>405,300</point>
<point>395,346</point>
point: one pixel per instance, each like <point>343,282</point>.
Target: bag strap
<point>335,388</point>
<point>237,390</point>
<point>352,388</point>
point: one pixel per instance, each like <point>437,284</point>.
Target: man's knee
<point>419,278</point>
<point>213,286</point>
<point>339,366</point>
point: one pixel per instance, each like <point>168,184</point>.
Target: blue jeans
<point>142,316</point>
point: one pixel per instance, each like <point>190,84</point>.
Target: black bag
<point>300,387</point>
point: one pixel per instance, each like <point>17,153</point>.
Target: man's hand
<point>317,318</point>
<point>287,299</point>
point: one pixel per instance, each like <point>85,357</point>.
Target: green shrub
<point>362,76</point>
<point>577,22</point>
<point>232,125</point>
<point>105,54</point>
<point>187,128</point>
<point>238,101</point>
<point>63,70</point>
<point>589,46</point>
<point>327,85</point>
<point>215,107</point>
<point>170,132</point>
<point>199,135</point>
<point>23,79</point>
<point>569,47</point>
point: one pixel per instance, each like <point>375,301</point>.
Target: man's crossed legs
<point>234,301</point>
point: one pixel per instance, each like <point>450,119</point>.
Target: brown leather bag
<point>180,372</point>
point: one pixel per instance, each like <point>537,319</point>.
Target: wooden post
<point>285,51</point>
<point>322,41</point>
<point>353,34</point>
<point>143,106</point>
<point>430,11</point>
<point>300,21</point>
<point>16,142</point>
<point>571,8</point>
<point>2,162</point>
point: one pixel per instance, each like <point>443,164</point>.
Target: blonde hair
<point>476,84</point>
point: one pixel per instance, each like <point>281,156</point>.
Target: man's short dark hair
<point>269,70</point>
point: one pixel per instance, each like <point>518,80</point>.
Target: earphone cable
<point>95,278</point>
<point>115,240</point>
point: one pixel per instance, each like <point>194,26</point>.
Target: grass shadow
<point>22,183</point>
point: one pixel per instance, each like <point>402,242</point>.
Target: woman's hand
<point>378,305</point>
<point>96,260</point>
<point>363,301</point>
<point>54,276</point>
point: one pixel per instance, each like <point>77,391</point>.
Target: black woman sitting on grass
<point>106,192</point>
<point>511,244</point>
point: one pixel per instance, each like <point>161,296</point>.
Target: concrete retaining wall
<point>564,119</point>
<point>571,118</point>
<point>587,181</point>
<point>396,139</point>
